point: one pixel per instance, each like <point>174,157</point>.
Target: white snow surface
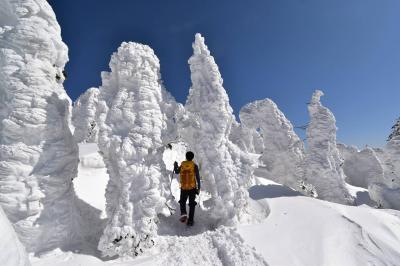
<point>91,170</point>
<point>306,231</point>
<point>291,230</point>
<point>322,165</point>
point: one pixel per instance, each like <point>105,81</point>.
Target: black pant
<point>192,203</point>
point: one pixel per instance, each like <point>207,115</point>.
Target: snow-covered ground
<point>288,229</point>
<point>91,183</point>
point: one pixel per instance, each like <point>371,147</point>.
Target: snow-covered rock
<point>12,251</point>
<point>84,116</point>
<point>283,153</point>
<point>322,165</point>
<point>206,127</point>
<point>38,157</point>
<point>363,168</point>
<point>131,127</point>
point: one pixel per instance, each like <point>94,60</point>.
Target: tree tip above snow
<point>199,46</point>
<point>316,97</point>
<point>131,52</point>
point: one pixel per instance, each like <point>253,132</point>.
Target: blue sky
<point>278,49</point>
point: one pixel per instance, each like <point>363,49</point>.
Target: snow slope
<point>306,231</point>
<point>290,230</point>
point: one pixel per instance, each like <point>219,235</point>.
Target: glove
<point>198,191</point>
<point>176,164</point>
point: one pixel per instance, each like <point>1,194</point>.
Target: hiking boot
<point>190,223</point>
<point>183,218</point>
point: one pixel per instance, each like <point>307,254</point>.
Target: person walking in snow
<point>189,179</point>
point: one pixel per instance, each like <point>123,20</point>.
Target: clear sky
<point>278,49</point>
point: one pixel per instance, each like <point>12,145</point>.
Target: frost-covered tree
<point>283,153</point>
<point>386,192</point>
<point>38,157</point>
<point>132,124</point>
<point>322,165</point>
<point>248,140</point>
<point>84,116</point>
<point>206,127</point>
<point>346,151</point>
<point>12,253</point>
<point>395,135</point>
<point>363,168</point>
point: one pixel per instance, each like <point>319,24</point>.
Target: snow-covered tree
<point>386,192</point>
<point>248,140</point>
<point>12,251</point>
<point>395,135</point>
<point>363,168</point>
<point>283,150</point>
<point>131,127</point>
<point>206,127</point>
<point>38,157</point>
<point>322,165</point>
<point>84,116</point>
<point>346,151</point>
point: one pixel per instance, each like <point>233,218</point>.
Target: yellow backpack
<point>187,175</point>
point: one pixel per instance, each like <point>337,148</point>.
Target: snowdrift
<point>306,231</point>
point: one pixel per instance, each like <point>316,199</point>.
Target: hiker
<point>190,186</point>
